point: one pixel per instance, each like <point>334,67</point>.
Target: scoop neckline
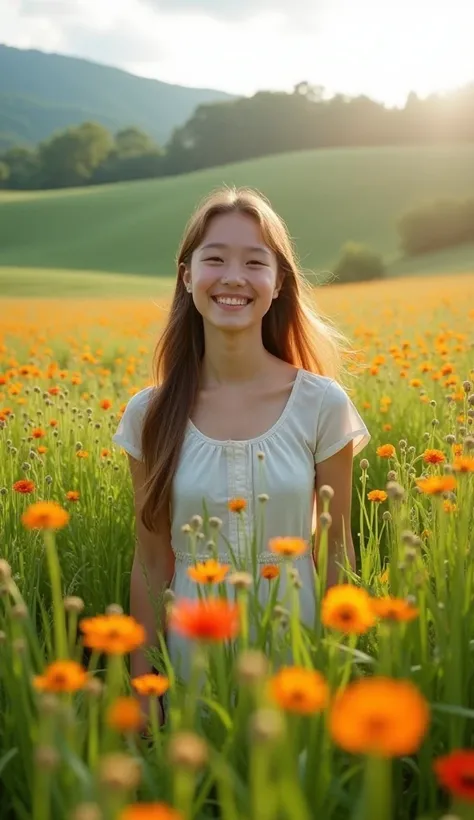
<point>223,442</point>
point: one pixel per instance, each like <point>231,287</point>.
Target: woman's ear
<point>185,274</point>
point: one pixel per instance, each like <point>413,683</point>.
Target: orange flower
<point>45,515</point>
<point>463,464</point>
<point>215,619</point>
<point>24,486</point>
<point>387,428</point>
<point>288,546</point>
<point>208,572</point>
<point>149,811</point>
<point>433,457</point>
<point>151,685</point>
<point>53,422</point>
<point>104,453</point>
<point>449,506</point>
<point>237,505</point>
<point>394,609</point>
<point>457,449</point>
<point>300,690</point>
<point>365,717</point>
<point>270,571</point>
<point>125,715</point>
<point>72,495</point>
<point>82,454</point>
<point>455,771</point>
<point>105,404</point>
<point>377,496</point>
<point>386,451</point>
<point>61,676</point>
<point>38,432</point>
<point>436,484</point>
<point>347,608</point>
<point>41,450</point>
<point>113,634</point>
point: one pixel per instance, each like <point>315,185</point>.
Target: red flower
<point>24,486</point>
<point>214,619</point>
<point>455,772</point>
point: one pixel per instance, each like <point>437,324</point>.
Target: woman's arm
<point>336,471</point>
<point>152,571</point>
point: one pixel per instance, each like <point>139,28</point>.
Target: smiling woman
<point>245,408</point>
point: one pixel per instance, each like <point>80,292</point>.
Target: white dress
<point>318,420</point>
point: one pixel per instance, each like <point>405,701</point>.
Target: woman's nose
<point>233,276</point>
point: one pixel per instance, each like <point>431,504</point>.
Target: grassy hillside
<point>327,197</point>
<point>41,93</point>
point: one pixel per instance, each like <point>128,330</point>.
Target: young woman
<point>245,366</point>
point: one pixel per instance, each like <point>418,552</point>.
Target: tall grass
<point>374,699</point>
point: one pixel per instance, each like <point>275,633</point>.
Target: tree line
<point>219,133</point>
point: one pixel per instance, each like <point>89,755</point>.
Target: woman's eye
<point>214,259</point>
<point>255,262</point>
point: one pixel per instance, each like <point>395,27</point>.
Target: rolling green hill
<point>42,93</point>
<point>326,197</point>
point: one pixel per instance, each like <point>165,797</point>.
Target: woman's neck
<point>232,357</point>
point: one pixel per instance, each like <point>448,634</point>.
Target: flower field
<point>373,717</point>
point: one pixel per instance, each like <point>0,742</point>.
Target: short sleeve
<point>129,431</point>
<point>338,424</point>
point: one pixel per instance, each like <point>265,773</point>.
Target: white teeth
<point>227,300</point>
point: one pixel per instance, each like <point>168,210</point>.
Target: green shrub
<point>358,263</point>
<point>437,224</point>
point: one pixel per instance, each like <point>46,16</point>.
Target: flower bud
<point>187,750</point>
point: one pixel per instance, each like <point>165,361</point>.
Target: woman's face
<point>233,275</point>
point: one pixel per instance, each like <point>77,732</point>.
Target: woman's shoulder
<point>140,400</point>
<point>317,386</point>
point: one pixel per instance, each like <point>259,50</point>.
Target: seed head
<point>114,609</point>
<point>364,464</point>
<point>119,771</point>
<point>261,455</point>
<point>326,493</point>
<point>94,687</point>
<point>402,444</point>
<point>387,516</point>
<point>187,750</point>
<point>215,523</point>
<point>391,475</point>
<point>450,439</point>
<point>72,603</point>
<point>240,580</point>
<point>46,758</point>
<point>196,522</point>
<point>325,519</point>
<point>266,725</point>
<point>263,497</point>
<point>469,443</point>
<point>19,612</point>
<point>467,386</point>
<point>251,666</point>
<point>395,491</point>
<point>87,811</point>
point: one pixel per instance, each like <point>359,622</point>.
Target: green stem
<point>59,621</point>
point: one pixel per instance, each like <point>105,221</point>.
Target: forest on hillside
<point>224,132</point>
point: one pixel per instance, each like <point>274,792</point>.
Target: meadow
<point>327,197</point>
<point>375,718</point>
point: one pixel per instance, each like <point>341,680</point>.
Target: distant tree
<point>138,166</point>
<point>4,174</point>
<point>24,167</point>
<point>358,263</point>
<point>70,157</point>
<point>132,141</point>
<point>440,223</point>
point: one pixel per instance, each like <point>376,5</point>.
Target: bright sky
<point>383,48</point>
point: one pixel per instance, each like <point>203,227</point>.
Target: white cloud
<point>377,47</point>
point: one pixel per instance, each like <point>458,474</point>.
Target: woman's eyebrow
<point>223,246</point>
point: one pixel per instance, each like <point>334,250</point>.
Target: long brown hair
<point>292,330</point>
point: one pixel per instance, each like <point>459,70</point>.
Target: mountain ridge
<point>43,92</point>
